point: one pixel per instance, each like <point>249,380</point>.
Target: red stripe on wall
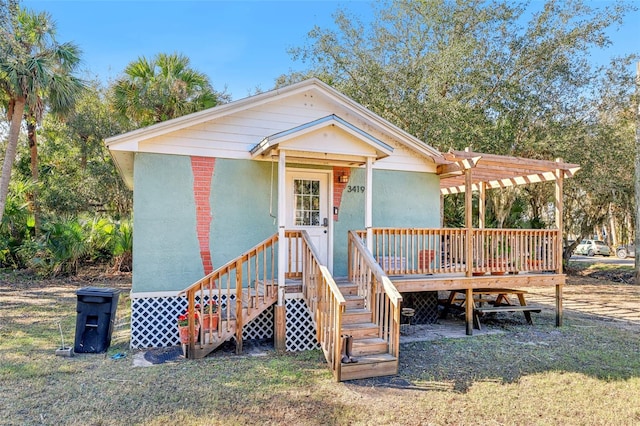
<point>202,168</point>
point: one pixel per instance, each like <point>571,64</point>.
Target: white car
<point>593,247</point>
<point>626,251</point>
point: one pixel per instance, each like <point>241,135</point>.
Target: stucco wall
<point>400,199</point>
<point>240,196</point>
<point>167,254</point>
<point>406,199</point>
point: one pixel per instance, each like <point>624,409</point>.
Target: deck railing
<point>326,302</point>
<point>381,296</point>
<point>294,254</point>
<point>411,251</point>
<point>248,278</point>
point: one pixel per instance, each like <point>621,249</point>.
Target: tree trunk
<point>10,153</point>
<point>637,177</point>
<point>613,233</point>
<point>33,150</point>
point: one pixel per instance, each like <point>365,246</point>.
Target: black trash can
<point>96,315</point>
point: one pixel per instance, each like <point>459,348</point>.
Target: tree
<point>162,88</point>
<point>77,175</point>
<point>637,174</point>
<point>457,74</point>
<point>34,67</point>
<point>60,92</point>
<point>500,77</point>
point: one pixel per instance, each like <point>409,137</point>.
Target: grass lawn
<point>586,372</point>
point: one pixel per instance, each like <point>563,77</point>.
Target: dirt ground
<point>598,296</point>
<point>606,296</point>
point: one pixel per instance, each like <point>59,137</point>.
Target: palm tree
<point>165,87</point>
<point>35,72</point>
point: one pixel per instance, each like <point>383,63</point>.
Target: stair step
<point>369,346</point>
<point>375,365</point>
<point>360,330</point>
<point>346,287</point>
<point>354,301</point>
<point>352,316</point>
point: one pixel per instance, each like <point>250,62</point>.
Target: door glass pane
<point>307,202</point>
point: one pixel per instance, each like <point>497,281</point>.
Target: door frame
<point>328,175</point>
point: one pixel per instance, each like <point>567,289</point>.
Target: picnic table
<point>490,300</point>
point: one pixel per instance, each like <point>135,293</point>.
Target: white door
<point>308,208</point>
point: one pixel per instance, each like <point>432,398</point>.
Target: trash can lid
<point>97,291</point>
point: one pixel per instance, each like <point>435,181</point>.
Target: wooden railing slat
<point>229,280</point>
<point>398,250</point>
<point>381,296</point>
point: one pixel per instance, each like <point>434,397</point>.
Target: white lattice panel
<point>153,323</point>
<point>301,333</point>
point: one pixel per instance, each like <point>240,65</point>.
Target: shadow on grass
<point>586,344</point>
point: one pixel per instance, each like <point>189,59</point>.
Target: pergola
<point>467,171</point>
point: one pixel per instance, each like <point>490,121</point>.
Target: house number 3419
<point>355,188</point>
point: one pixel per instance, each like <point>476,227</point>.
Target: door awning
<point>329,139</point>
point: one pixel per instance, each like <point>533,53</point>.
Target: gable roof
<point>377,148</point>
<point>495,171</point>
<point>122,147</point>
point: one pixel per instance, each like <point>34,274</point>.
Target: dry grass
<point>587,372</point>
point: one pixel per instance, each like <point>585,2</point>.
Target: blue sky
<point>239,44</point>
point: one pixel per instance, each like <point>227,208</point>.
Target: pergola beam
<point>496,171</point>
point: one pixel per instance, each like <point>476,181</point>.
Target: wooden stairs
<point>371,351</point>
<point>252,306</point>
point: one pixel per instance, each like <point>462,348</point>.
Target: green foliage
<point>76,173</point>
<point>498,76</point>
<point>123,247</point>
<point>162,88</point>
<point>17,224</point>
<point>58,250</point>
<point>65,244</point>
<point>36,72</point>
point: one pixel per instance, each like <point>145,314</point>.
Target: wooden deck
<point>437,282</point>
<point>461,282</point>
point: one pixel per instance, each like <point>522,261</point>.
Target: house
<point>304,216</point>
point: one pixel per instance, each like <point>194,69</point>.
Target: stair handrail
<point>326,303</point>
<point>261,280</point>
<point>381,296</point>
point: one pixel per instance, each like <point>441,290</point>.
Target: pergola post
<point>482,197</point>
<point>559,249</point>
<point>468,223</point>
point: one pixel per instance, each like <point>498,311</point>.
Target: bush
<point>17,225</point>
<point>66,244</point>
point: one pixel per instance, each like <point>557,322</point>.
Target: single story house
<point>304,216</point>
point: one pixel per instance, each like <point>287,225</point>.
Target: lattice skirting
<point>425,304</point>
<point>153,323</point>
<point>301,333</point>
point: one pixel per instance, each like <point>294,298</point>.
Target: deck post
<point>280,310</point>
<point>559,305</point>
<point>468,312</point>
<point>468,222</point>
<point>239,298</point>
